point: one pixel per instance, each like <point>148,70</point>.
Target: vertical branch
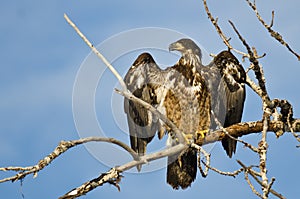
<point>263,157</point>
<point>255,66</point>
<point>200,150</point>
<point>267,108</point>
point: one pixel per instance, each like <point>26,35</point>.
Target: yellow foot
<point>202,133</point>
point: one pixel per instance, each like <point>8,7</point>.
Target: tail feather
<point>139,145</point>
<point>182,169</point>
<point>229,145</point>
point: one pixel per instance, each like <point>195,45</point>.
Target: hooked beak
<point>175,46</point>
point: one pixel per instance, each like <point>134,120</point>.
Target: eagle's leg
<point>188,138</point>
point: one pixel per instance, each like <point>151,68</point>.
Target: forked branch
<point>274,34</point>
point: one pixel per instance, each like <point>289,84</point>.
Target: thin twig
<point>250,146</point>
<point>106,62</point>
<point>200,150</point>
<point>254,175</point>
<point>254,86</point>
<point>220,32</point>
<point>232,174</point>
<point>251,185</point>
<point>268,189</point>
<point>256,67</point>
<point>273,33</point>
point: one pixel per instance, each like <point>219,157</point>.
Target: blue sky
<point>41,56</point>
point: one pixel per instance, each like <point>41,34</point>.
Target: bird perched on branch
<point>225,78</point>
<point>182,94</point>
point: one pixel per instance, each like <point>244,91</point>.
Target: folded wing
<point>142,79</point>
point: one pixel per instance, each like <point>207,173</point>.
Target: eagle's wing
<point>232,90</point>
<point>142,79</point>
<point>213,79</point>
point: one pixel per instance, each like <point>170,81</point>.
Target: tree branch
<point>240,130</point>
<point>111,68</point>
<point>246,128</point>
<point>285,124</point>
<point>220,32</point>
<point>253,57</point>
<point>62,147</point>
<point>274,34</point>
<point>178,133</point>
<point>253,174</point>
<point>113,176</point>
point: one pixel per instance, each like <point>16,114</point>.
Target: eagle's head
<point>191,53</point>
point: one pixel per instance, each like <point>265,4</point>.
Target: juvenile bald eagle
<point>225,78</point>
<point>180,93</point>
<point>186,93</point>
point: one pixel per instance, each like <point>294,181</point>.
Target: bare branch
<point>154,156</point>
<point>256,67</point>
<point>62,147</point>
<point>232,174</point>
<point>214,22</point>
<point>263,146</point>
<point>179,134</point>
<point>251,185</point>
<point>254,86</point>
<point>113,176</point>
<point>111,68</point>
<point>234,130</point>
<point>254,149</point>
<point>273,33</point>
<point>268,108</point>
<point>204,172</point>
<point>220,32</point>
<point>254,175</point>
<point>125,92</point>
<point>246,128</point>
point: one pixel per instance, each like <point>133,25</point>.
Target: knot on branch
<point>286,112</point>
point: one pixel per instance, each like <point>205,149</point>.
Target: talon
<point>202,133</point>
<point>179,161</point>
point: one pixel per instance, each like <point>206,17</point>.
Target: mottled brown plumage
<point>186,93</point>
<point>233,83</point>
<point>180,93</point>
<point>188,106</point>
<point>225,78</point>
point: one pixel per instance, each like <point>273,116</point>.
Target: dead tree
<point>277,117</point>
